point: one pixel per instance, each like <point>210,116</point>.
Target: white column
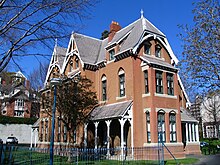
<point>122,121</point>
<point>193,132</point>
<point>96,133</point>
<point>85,134</point>
<point>108,122</point>
<point>190,133</point>
<point>31,138</point>
<point>35,137</point>
<point>187,133</point>
<point>197,132</point>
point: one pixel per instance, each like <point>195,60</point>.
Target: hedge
<point>16,120</point>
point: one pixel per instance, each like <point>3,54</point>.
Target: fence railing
<point>40,156</point>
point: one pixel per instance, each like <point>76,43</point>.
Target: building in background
<point>138,87</point>
<point>16,97</point>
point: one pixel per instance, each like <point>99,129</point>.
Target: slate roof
<point>92,50</point>
<point>110,111</point>
<point>60,52</point>
<point>88,47</point>
<point>186,116</point>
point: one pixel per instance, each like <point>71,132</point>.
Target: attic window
<point>111,55</point>
<point>158,51</point>
<point>147,47</point>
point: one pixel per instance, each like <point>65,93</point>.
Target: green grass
<point>26,157</point>
<point>183,161</point>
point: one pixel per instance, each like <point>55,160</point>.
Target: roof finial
<point>56,42</point>
<point>142,13</point>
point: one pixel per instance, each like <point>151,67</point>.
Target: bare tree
<point>38,76</point>
<point>26,24</point>
<point>201,47</point>
<point>75,100</point>
<point>210,110</point>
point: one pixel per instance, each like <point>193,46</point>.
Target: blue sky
<point>164,14</point>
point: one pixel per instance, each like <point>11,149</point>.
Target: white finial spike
<point>142,13</point>
<point>56,42</point>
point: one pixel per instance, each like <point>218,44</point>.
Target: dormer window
<point>147,47</point>
<point>111,55</point>
<point>158,51</point>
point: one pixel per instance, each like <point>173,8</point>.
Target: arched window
<point>59,129</point>
<point>104,88</point>
<point>121,75</point>
<point>148,126</point>
<point>172,117</point>
<point>158,51</point>
<point>161,126</point>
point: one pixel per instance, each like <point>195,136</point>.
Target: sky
<point>166,15</point>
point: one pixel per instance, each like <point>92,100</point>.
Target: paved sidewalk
<point>207,159</point>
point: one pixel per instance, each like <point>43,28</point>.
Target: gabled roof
<point>110,111</point>
<point>88,48</point>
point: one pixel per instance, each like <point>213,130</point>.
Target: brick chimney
<point>114,27</point>
<point>27,84</point>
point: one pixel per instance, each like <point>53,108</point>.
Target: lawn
<point>27,157</point>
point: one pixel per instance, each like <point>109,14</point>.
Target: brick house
<point>15,95</point>
<point>138,87</point>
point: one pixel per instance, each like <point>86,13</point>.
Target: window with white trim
<point>104,88</point>
<point>161,126</point>
<point>170,86</point>
<point>121,83</point>
<point>148,126</point>
<point>172,127</point>
<point>146,81</point>
<point>111,54</point>
<point>64,133</point>
<point>159,82</point>
<point>19,103</point>
<point>158,51</point>
<point>147,47</point>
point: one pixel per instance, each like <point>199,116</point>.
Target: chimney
<point>27,84</point>
<point>114,27</point>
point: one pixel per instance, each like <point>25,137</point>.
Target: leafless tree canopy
<point>202,46</point>
<point>210,108</point>
<point>31,23</point>
<point>38,76</point>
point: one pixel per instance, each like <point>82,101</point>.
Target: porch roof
<point>116,110</point>
<point>186,116</point>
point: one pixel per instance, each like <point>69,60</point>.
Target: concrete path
<point>209,160</point>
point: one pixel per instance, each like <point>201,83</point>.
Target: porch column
<point>193,132</point>
<point>108,122</point>
<point>85,134</point>
<point>187,133</point>
<point>35,137</point>
<point>31,137</point>
<point>96,133</point>
<point>122,121</point>
<point>190,133</point>
<point>197,132</point>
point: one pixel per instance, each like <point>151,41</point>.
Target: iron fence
<point>40,156</point>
